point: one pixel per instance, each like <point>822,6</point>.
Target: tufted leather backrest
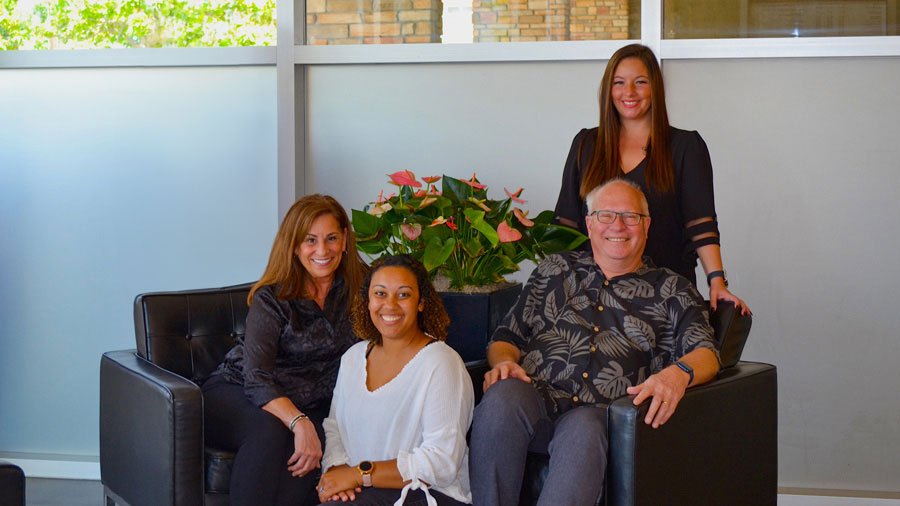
<point>189,332</point>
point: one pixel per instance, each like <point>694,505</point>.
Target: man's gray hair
<point>645,208</point>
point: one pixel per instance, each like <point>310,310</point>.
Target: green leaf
<point>455,190</point>
<point>365,225</point>
<point>545,218</point>
<point>370,247</point>
<point>554,238</point>
<point>473,248</point>
<point>499,209</point>
<point>478,223</point>
<point>437,252</point>
<point>441,232</point>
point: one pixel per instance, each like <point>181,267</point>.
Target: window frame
<point>292,22</point>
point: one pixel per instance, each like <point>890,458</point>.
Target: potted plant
<point>466,239</point>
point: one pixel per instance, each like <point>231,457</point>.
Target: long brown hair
<point>284,267</point>
<point>606,160</point>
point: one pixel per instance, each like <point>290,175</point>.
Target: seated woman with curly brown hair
<point>396,432</point>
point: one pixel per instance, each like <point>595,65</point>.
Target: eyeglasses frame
<point>618,215</point>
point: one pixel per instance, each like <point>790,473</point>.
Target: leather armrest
<point>477,369</point>
<point>721,444</point>
<point>151,432</point>
<point>12,485</point>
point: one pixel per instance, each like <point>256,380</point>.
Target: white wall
<point>805,155</point>
<point>115,182</point>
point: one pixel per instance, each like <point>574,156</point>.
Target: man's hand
<point>666,389</point>
<point>504,370</point>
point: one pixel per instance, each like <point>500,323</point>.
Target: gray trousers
<point>510,421</point>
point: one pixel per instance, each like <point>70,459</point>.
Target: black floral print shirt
<point>585,338</point>
<point>292,348</point>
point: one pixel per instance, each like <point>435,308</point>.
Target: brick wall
<point>534,20</point>
<point>373,21</point>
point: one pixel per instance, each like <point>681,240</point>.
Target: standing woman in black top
<point>267,400</point>
<point>635,141</point>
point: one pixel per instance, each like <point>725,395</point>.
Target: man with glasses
<point>588,328</point>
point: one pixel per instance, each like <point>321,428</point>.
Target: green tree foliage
<point>80,24</point>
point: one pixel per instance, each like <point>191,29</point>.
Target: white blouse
<point>420,418</point>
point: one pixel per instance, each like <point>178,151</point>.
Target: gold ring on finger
<point>666,403</point>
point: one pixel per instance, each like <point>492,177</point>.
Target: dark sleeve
<point>266,321</point>
<point>691,324</point>
<point>516,326</point>
<point>570,205</point>
<point>697,199</point>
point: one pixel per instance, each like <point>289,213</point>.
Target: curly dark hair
<point>433,320</point>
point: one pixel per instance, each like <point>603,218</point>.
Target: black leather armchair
<point>151,407</point>
<point>719,449</point>
<point>12,485</point>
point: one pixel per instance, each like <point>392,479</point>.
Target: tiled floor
<point>49,492</point>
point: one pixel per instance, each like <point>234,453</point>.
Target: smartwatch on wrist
<point>365,468</point>
<point>688,369</point>
<point>717,274</point>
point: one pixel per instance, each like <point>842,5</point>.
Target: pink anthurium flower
<point>514,195</point>
<point>431,179</point>
<point>480,203</point>
<point>412,232</point>
<point>440,220</point>
<point>474,184</point>
<point>451,224</point>
<point>507,233</point>
<point>381,208</point>
<point>420,193</point>
<point>381,197</point>
<point>434,191</point>
<point>522,217</point>
<point>404,178</point>
<point>427,201</point>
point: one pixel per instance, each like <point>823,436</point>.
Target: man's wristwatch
<point>717,274</point>
<point>365,468</point>
<point>688,369</point>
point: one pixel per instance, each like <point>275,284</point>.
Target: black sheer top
<point>691,198</point>
<point>292,348</point>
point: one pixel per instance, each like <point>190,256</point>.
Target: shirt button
<point>606,283</point>
<point>600,308</point>
<point>593,349</point>
<point>584,375</point>
<point>574,398</point>
<point>596,329</point>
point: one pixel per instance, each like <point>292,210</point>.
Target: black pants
<point>263,446</point>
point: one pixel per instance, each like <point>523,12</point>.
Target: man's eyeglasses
<point>607,217</point>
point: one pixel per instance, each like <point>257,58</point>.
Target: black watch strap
<point>688,369</point>
<point>716,274</point>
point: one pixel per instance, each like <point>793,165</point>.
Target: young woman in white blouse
<point>396,433</point>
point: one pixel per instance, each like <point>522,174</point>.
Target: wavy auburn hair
<point>433,320</point>
<point>606,161</point>
<point>285,268</point>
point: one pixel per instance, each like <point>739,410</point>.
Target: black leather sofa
<point>12,485</point>
<point>720,449</point>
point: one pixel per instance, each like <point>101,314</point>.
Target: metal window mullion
<point>651,25</point>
